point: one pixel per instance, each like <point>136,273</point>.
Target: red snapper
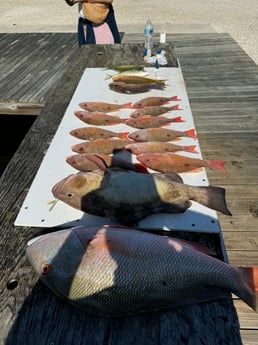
<point>118,271</point>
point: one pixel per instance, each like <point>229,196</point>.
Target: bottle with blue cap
<point>148,36</point>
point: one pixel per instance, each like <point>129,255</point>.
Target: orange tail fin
<point>191,133</point>
<point>217,165</point>
<point>176,107</point>
<point>250,275</point>
<point>178,119</point>
<point>175,98</point>
<point>190,149</point>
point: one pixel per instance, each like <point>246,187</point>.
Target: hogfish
<point>128,197</point>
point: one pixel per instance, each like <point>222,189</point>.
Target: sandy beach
<point>239,18</point>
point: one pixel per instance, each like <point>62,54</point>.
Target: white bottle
<point>148,35</point>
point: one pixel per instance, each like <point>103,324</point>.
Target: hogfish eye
<point>69,195</point>
<point>45,269</point>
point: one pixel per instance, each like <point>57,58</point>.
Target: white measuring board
<point>37,209</point>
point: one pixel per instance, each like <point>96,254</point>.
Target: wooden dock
<point>222,85</point>
<point>31,64</point>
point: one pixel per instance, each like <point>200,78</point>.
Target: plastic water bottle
<point>148,35</point>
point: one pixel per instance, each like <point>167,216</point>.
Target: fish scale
<point>122,271</point>
<point>128,197</point>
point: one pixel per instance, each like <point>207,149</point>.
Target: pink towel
<point>102,32</point>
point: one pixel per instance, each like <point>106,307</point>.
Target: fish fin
<point>175,98</point>
<point>141,168</point>
<point>190,148</point>
<point>191,133</point>
<point>214,198</point>
<point>217,165</point>
<point>197,246</point>
<point>143,165</point>
<point>178,119</point>
<point>99,161</point>
<point>123,135</point>
<point>176,107</point>
<point>250,277</point>
<point>173,176</point>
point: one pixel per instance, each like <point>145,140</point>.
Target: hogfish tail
<point>212,197</point>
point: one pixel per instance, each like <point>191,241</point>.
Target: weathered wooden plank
<point>232,93</point>
<point>239,222</point>
<point>31,66</point>
<point>240,257</point>
<point>230,150</point>
<point>249,337</point>
<point>238,173</point>
<point>30,75</point>
<point>242,240</point>
<point>229,126</point>
<point>247,317</point>
<point>242,192</point>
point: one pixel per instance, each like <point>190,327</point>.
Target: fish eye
<point>69,195</point>
<point>45,269</point>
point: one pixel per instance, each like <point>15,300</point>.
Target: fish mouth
<point>70,160</point>
<point>33,240</point>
